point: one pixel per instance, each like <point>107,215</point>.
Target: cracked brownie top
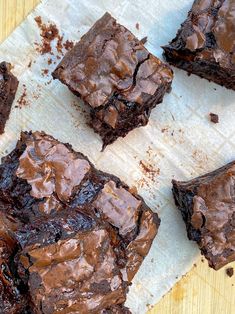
<point>108,59</point>
<point>77,236</point>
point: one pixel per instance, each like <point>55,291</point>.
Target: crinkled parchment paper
<point>179,141</point>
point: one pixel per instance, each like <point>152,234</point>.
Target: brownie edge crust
<point>8,88</point>
<point>72,237</point>
<point>207,205</point>
<point>205,43</point>
<point>113,73</point>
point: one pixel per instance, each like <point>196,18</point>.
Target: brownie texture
<point>8,88</point>
<point>112,71</point>
<point>205,43</point>
<point>72,237</point>
<point>207,204</point>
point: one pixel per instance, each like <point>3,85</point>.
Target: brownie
<point>8,87</point>
<point>207,204</point>
<point>120,80</point>
<point>76,237</point>
<point>205,43</point>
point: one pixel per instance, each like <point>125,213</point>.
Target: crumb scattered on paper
<point>48,34</point>
<point>137,26</point>
<point>68,45</point>
<point>214,117</point>
<point>45,72</point>
<point>148,170</point>
<point>22,101</point>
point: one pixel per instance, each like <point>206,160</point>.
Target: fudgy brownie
<point>205,43</point>
<point>8,87</point>
<point>112,71</point>
<point>207,204</point>
<point>75,236</point>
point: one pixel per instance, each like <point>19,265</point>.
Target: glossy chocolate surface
<point>208,207</point>
<point>77,235</point>
<point>112,71</point>
<point>207,39</point>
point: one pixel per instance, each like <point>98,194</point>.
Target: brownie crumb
<point>22,101</point>
<point>48,34</point>
<point>45,72</point>
<point>148,170</point>
<point>68,45</point>
<point>137,26</point>
<point>229,272</point>
<point>59,45</point>
<point>214,118</point>
<point>30,63</point>
<point>144,40</point>
<point>49,61</point>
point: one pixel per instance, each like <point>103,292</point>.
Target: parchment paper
<point>178,142</point>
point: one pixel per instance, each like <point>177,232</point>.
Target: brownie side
<point>13,297</point>
<point>112,71</point>
<point>8,87</point>
<point>207,206</point>
<point>72,221</point>
<point>204,45</point>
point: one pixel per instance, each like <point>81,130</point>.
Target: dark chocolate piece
<point>207,204</point>
<point>214,117</point>
<point>79,235</point>
<point>205,43</point>
<point>112,71</point>
<point>8,87</point>
<point>230,272</point>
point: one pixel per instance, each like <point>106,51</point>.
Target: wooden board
<point>202,290</point>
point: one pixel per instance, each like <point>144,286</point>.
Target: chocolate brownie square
<point>205,43</point>
<point>120,80</point>
<point>80,235</point>
<point>207,204</point>
<point>8,88</point>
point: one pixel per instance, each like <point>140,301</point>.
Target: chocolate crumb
<point>30,63</point>
<point>59,45</point>
<point>48,34</point>
<point>45,72</point>
<point>214,118</point>
<point>137,26</point>
<point>49,61</point>
<point>68,45</point>
<point>144,40</point>
<point>229,272</point>
<point>22,101</point>
<point>148,170</point>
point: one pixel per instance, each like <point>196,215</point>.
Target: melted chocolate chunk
<point>207,205</point>
<point>112,71</point>
<point>205,44</point>
<point>8,88</point>
<point>71,237</point>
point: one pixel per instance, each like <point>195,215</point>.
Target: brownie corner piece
<point>80,234</point>
<point>8,88</point>
<point>205,43</point>
<point>207,205</point>
<point>120,80</point>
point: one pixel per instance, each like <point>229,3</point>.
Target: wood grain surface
<point>202,290</point>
